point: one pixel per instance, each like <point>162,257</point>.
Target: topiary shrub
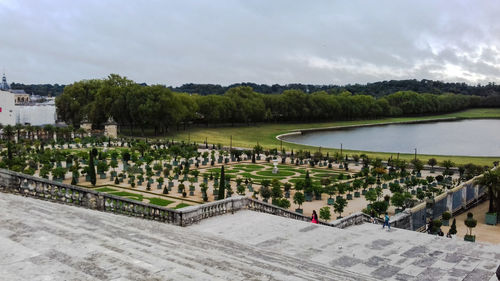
<point>453,227</point>
<point>470,222</point>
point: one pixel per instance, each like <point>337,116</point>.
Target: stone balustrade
<point>44,189</point>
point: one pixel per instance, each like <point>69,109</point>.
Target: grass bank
<point>265,135</point>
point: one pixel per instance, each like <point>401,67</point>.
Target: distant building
<point>7,108</point>
<point>4,86</point>
<point>21,96</point>
<point>18,107</point>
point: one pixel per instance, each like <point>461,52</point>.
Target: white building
<point>7,108</point>
<point>17,107</point>
<point>36,114</point>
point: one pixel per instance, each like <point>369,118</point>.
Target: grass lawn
<point>159,201</point>
<point>128,195</point>
<point>106,189</point>
<point>181,205</point>
<point>265,135</point>
<point>269,173</point>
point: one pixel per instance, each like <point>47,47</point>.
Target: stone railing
<point>26,185</point>
<point>457,200</point>
<point>44,189</point>
<point>353,219</point>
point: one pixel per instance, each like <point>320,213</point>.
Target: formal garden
<point>180,174</point>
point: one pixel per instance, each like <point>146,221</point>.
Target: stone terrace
<point>366,248</point>
<point>41,240</point>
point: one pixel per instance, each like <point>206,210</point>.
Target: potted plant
<point>491,180</point>
<point>160,181</point>
<point>446,218</point>
<point>298,199</point>
<point>339,206</point>
<point>453,227</point>
<point>470,222</point>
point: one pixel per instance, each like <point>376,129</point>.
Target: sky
<point>267,41</point>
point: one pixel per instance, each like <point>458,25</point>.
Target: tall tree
<point>222,184</point>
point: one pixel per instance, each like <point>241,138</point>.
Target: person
<point>498,272</point>
<point>373,216</point>
<point>440,233</point>
<point>314,218</point>
<point>448,235</point>
<point>386,221</point>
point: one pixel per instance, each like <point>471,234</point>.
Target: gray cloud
<point>212,41</point>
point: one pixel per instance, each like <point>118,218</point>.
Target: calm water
<point>465,137</point>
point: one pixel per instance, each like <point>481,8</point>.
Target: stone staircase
<point>365,249</point>
<point>41,240</point>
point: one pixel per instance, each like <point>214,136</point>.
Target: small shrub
<point>446,216</point>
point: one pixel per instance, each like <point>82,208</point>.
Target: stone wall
<point>457,200</point>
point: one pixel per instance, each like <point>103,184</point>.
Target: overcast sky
<point>268,41</point>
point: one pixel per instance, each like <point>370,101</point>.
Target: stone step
<point>45,240</point>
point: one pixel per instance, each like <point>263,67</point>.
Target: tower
<point>4,86</point>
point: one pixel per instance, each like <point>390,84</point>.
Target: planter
<point>338,197</point>
<point>170,184</point>
<point>445,222</point>
<point>349,196</point>
<point>384,186</point>
<point>356,194</point>
<point>287,194</point>
<point>419,175</point>
<point>330,201</point>
<point>191,188</point>
<point>470,238</point>
<point>363,192</point>
<point>491,218</point>
<point>300,211</point>
<point>308,197</point>
<point>191,193</point>
<point>102,176</point>
<point>317,197</point>
<point>398,210</point>
<point>87,178</point>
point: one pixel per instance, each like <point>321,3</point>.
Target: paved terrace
<point>41,240</point>
<point>366,248</point>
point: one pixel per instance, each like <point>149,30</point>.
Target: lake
<point>477,137</point>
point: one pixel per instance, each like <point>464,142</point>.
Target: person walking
<point>386,221</point>
<point>314,218</point>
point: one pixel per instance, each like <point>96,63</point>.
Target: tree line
<point>376,89</point>
<point>135,106</point>
<point>39,89</point>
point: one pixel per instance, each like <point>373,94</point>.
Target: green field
<point>265,135</point>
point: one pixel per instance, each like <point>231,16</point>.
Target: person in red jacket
<point>314,218</point>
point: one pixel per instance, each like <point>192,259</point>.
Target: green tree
<point>432,162</point>
<point>299,198</point>
<point>491,180</point>
<point>339,206</point>
<point>91,168</point>
<point>324,213</point>
<point>222,184</point>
